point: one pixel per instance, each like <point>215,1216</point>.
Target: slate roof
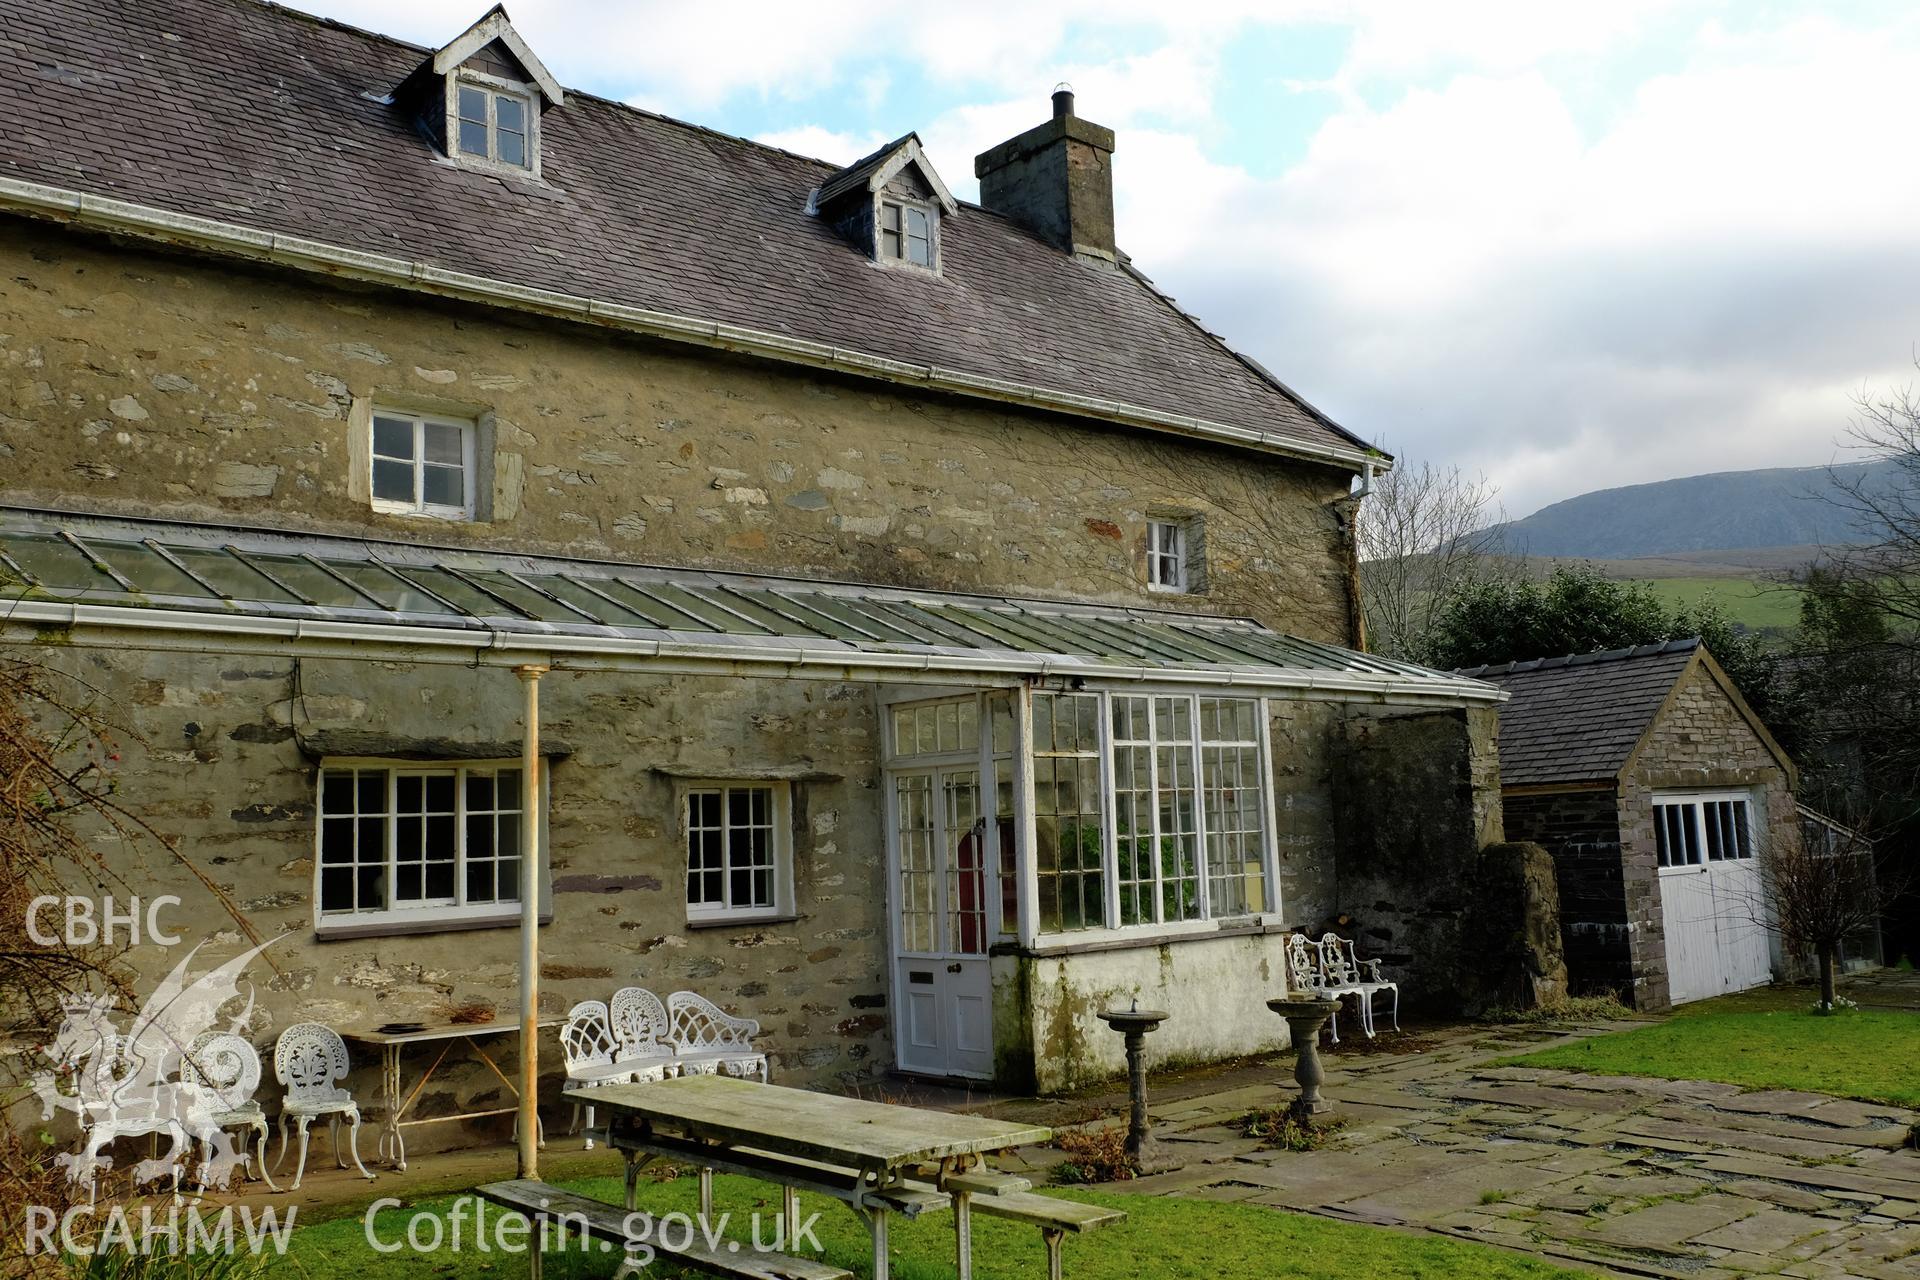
<point>1577,719</point>
<point>253,114</point>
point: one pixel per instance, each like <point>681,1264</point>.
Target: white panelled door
<point>1711,897</point>
<point>944,1024</point>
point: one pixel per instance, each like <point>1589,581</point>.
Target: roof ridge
<point>1522,666</point>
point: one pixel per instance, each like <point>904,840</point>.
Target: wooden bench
<point>602,1221</point>
<point>1015,1203</point>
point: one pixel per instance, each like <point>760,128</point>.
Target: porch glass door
<point>945,1023</point>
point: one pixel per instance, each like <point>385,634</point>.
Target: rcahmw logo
<point>175,1231</point>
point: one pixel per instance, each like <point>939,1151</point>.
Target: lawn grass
<point>1163,1237</point>
<point>1765,1039</point>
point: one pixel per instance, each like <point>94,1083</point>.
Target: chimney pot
<point>1062,101</point>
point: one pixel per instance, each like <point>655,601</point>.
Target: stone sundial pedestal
<point>1305,1016</point>
<point>1134,1024</point>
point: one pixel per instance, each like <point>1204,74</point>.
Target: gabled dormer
<point>480,98</point>
<point>891,205</point>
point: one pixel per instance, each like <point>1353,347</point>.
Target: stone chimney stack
<point>1056,179</point>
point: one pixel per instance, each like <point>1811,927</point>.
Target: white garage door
<point>1710,894</point>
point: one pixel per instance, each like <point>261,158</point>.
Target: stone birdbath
<point>1305,1015</point>
<point>1134,1023</point>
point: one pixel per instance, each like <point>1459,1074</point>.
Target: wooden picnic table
<point>858,1152</point>
<point>392,1044</point>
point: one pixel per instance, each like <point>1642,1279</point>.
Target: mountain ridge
<point>1721,510</point>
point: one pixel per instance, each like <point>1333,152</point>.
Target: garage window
<point>1694,830</point>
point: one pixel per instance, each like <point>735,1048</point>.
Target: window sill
<point>1095,940</point>
<point>731,921</point>
<point>396,924</point>
<point>452,515</point>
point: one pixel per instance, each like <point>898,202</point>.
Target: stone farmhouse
<point>938,636</point>
<point>1658,792</point>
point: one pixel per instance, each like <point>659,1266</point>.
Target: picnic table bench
<point>871,1157</point>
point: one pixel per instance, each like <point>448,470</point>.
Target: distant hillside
<point>1781,507</point>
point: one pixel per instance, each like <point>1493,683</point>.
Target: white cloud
<point>822,144</point>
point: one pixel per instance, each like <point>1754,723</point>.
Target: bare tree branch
<point>1425,532</point>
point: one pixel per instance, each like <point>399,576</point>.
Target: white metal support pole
<point>1025,833</point>
<point>529,1125</point>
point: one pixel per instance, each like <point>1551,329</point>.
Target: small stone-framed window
<point>1174,555</point>
<point>493,123</point>
<point>739,844</point>
<point>907,234</point>
<point>423,464</point>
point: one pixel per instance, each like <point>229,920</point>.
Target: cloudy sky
<point>1567,245</point>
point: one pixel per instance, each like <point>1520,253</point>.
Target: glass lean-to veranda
<point>1064,788</point>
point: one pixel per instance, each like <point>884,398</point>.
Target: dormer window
<point>479,99</point>
<point>906,233</point>
<point>890,204</point>
<point>493,124</point>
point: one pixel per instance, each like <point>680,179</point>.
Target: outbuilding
<point>1658,791</point>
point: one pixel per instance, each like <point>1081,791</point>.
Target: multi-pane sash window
<point>906,234</point>
<point>492,125</point>
<point>431,839</point>
<point>1070,840</point>
<point>737,860</point>
<point>1167,555</point>
<point>1187,803</point>
<point>1696,830</point>
<point>422,465</point>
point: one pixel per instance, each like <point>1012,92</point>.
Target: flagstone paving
<point>1648,1177</point>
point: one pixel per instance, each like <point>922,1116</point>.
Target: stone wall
<point>214,758</point>
<point>143,383</point>
<point>1700,741</point>
<point>1581,829</point>
<point>1416,798</point>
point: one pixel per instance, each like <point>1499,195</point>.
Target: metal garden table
<point>860,1153</point>
<point>391,1044</point>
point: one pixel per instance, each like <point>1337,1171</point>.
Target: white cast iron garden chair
<point>1366,974</point>
<point>591,1053</point>
<point>227,1068</point>
<point>708,1041</point>
<point>641,1034</point>
<point>1306,975</point>
<point>307,1059</point>
<point>118,1099</point>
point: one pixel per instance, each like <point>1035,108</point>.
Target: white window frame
<point>494,87</point>
<point>419,506</point>
<point>881,202</point>
<point>1167,569</point>
<point>1208,921</point>
<point>1695,805</point>
<point>453,913</point>
<point>781,850</point>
